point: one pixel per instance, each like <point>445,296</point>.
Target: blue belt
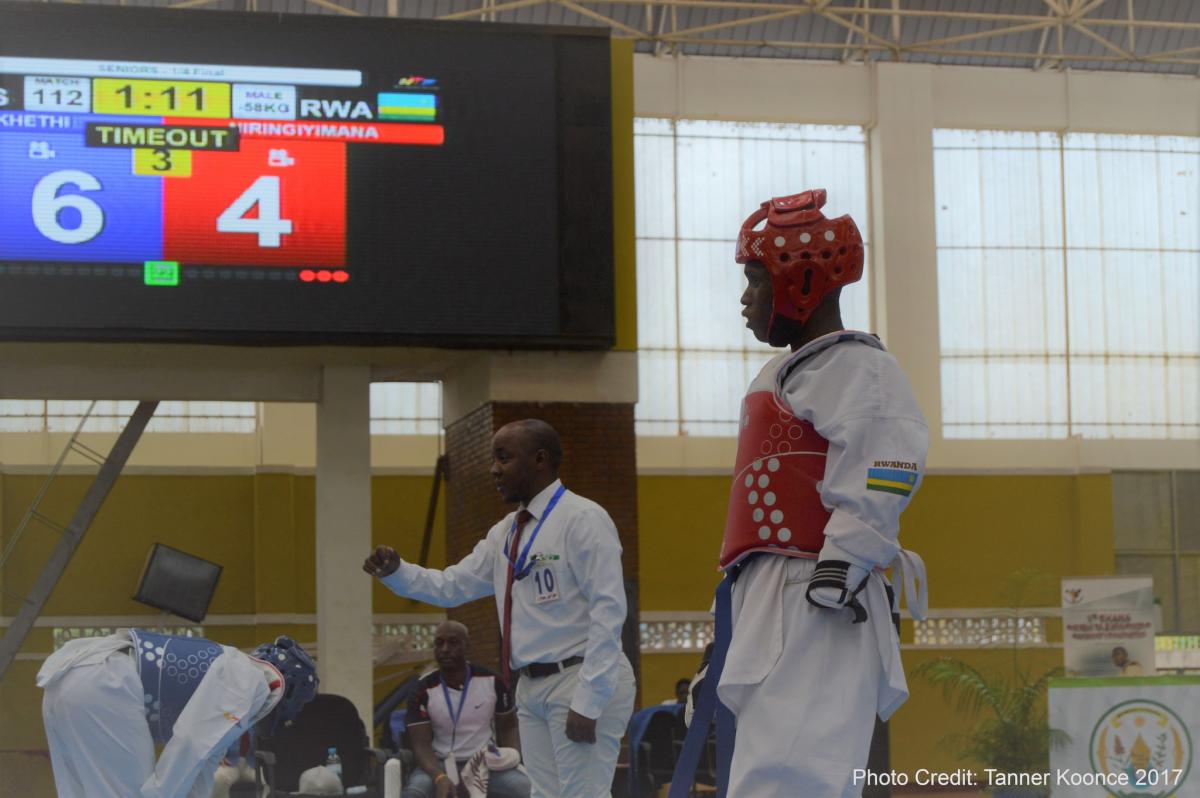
<point>709,705</point>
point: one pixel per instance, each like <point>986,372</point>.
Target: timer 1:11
<point>161,98</point>
<point>170,93</point>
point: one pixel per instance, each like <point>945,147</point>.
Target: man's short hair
<point>461,628</point>
<point>543,436</point>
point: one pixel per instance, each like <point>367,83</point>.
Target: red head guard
<point>806,254</point>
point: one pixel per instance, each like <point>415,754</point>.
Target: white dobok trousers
<point>805,684</point>
<point>100,744</point>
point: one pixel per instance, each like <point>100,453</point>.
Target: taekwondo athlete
<point>109,700</point>
<point>831,448</point>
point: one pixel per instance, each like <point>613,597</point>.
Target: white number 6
<point>47,204</point>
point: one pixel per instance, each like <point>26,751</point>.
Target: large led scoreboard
<point>252,178</point>
<point>104,170</point>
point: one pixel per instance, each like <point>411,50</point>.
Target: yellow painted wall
<point>624,221</point>
<point>680,521</point>
<point>661,671</point>
<point>972,530</point>
<point>261,528</point>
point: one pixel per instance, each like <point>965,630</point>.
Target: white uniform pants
<point>805,684</point>
<point>558,767</point>
<point>100,744</point>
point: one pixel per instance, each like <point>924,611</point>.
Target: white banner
<point>1108,626</point>
<point>1129,737</point>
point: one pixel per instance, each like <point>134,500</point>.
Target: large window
<point>1069,284</point>
<point>696,181</point>
<point>1156,524</point>
<point>37,415</point>
<point>397,408</point>
<point>406,408</point>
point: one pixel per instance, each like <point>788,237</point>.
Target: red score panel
<point>272,203</point>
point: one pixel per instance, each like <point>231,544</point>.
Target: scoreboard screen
<point>288,179</point>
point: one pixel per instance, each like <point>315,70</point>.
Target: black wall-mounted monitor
<point>178,582</point>
<point>230,177</point>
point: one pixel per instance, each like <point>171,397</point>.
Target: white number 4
<point>263,192</point>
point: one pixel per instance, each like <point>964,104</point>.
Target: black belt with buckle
<point>539,670</point>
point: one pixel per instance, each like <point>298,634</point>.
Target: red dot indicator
<point>324,276</point>
<point>308,275</point>
<point>341,276</point>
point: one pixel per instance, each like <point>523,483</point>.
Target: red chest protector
<point>774,505</point>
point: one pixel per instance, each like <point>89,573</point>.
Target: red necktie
<point>506,633</point>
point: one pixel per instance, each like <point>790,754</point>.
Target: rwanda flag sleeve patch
<point>892,480</point>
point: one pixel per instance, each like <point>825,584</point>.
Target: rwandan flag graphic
<point>410,107</point>
<point>891,480</point>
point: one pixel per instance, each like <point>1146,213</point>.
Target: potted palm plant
<point>1011,732</point>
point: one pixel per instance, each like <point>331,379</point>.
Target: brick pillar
<point>599,462</point>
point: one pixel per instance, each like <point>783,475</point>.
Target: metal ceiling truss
<point>1103,34</point>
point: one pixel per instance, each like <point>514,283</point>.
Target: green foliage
<point>1012,731</point>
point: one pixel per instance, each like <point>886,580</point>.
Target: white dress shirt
<point>571,603</point>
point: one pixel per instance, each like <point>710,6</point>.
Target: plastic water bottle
<point>391,778</point>
<point>334,763</point>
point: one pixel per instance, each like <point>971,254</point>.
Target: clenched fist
<point>382,562</point>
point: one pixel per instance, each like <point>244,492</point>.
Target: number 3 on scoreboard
<point>270,228</point>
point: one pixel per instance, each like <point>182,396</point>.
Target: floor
<point>26,774</point>
<point>914,792</point>
<point>911,792</point>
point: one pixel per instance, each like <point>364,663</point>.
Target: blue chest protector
<point>171,669</point>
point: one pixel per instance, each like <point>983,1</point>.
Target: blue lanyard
<point>454,716</point>
<point>521,568</point>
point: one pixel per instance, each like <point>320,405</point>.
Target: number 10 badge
<point>545,583</point>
